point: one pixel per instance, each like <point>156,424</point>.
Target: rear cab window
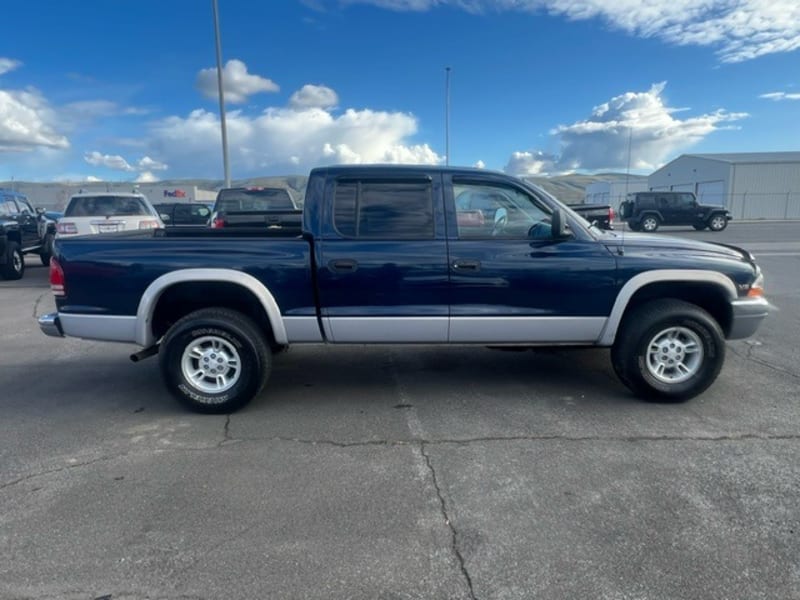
<point>254,200</point>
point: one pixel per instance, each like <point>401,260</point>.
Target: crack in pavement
<point>59,470</point>
<point>36,304</point>
<point>762,362</point>
<point>448,522</point>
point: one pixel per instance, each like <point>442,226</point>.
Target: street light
<point>222,121</point>
<point>447,116</point>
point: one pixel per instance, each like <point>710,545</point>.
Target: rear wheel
<point>717,222</point>
<point>15,262</point>
<point>215,360</point>
<point>650,224</point>
<point>699,226</point>
<point>47,249</point>
<point>633,226</point>
<point>668,350</point>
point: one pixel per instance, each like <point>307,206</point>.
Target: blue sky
<point>125,90</point>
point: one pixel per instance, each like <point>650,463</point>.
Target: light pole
<point>222,120</point>
<point>447,116</point>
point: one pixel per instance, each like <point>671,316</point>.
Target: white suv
<point>106,212</point>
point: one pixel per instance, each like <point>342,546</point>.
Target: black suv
<point>23,230</point>
<point>647,211</point>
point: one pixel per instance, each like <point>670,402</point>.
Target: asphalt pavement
<point>402,472</point>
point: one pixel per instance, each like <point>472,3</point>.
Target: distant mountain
<point>567,188</point>
<point>570,189</point>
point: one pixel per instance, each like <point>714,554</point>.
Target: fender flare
<point>149,300</point>
<point>637,282</point>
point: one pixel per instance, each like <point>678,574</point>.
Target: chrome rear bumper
<point>50,325</point>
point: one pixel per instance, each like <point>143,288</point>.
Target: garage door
<point>711,192</point>
<point>683,187</point>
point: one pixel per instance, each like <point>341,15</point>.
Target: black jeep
<point>23,230</point>
<point>647,211</point>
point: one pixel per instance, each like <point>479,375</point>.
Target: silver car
<point>107,212</point>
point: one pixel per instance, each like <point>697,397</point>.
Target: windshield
<point>257,199</point>
<point>107,206</point>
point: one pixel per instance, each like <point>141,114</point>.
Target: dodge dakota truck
<point>407,254</point>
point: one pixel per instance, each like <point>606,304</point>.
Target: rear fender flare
<point>637,282</point>
<point>149,300</point>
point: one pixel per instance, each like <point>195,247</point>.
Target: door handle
<point>467,265</point>
<point>343,265</point>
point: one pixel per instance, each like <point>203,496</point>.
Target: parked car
<point>394,254</point>
<point>179,214</point>
<point>647,211</point>
<point>107,212</point>
<point>601,215</point>
<point>256,207</point>
<point>23,230</point>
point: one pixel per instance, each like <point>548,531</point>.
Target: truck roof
<point>378,169</point>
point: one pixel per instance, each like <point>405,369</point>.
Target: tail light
<point>66,227</point>
<point>149,224</point>
<point>217,222</point>
<point>611,215</point>
<point>57,278</point>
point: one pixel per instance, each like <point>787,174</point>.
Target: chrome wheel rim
<point>16,260</point>
<point>674,355</point>
<point>716,223</point>
<point>649,224</point>
<point>211,364</point>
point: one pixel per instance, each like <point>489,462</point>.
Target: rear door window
<point>384,209</point>
<point>106,206</point>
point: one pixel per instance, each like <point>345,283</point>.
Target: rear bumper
<point>747,316</point>
<point>51,325</point>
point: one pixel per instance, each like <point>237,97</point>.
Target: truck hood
<point>643,242</point>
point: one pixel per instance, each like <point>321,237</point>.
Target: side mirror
<point>165,217</point>
<point>558,225</point>
<point>40,211</point>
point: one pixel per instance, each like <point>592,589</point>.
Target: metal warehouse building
<point>757,185</point>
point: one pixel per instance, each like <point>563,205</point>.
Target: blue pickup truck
<point>411,254</point>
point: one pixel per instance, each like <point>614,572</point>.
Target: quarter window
<point>384,209</point>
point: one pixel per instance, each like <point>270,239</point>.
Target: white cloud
<point>781,96</point>
<point>530,163</point>
<point>314,96</point>
<point>148,164</point>
<point>110,161</point>
<point>92,178</point>
<point>8,64</point>
<point>641,119</point>
<point>289,139</point>
<point>27,122</point>
<point>480,165</point>
<point>738,29</point>
<point>238,84</point>
<point>146,177</point>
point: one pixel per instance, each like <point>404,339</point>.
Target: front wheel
<point>215,360</point>
<point>15,262</point>
<point>668,350</point>
<point>717,223</point>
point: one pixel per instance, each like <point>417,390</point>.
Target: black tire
<point>633,226</point>
<point>649,223</point>
<point>15,262</point>
<point>47,249</point>
<point>645,334</point>
<point>216,334</point>
<point>717,222</point>
<point>699,226</point>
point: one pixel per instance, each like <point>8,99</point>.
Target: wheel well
<point>13,236</point>
<point>711,298</point>
<point>183,298</point>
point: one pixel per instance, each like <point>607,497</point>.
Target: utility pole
<point>447,116</point>
<point>222,120</point>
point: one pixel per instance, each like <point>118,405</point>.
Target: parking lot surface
<point>402,472</point>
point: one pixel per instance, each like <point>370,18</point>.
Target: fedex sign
<point>174,194</point>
